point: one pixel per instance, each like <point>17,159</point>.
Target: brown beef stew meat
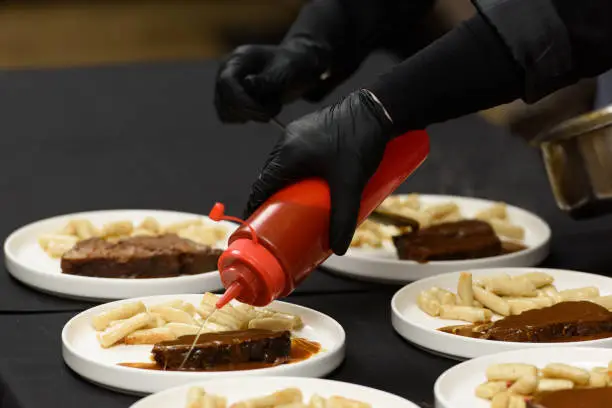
<point>591,398</point>
<point>563,322</point>
<point>231,347</point>
<point>140,257</point>
<point>468,239</point>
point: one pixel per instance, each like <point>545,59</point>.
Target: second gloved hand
<point>256,80</point>
<point>343,144</point>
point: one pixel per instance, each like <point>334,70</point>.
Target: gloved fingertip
<point>340,245</point>
<point>342,228</point>
<point>253,202</point>
<point>246,213</point>
<point>345,202</point>
<point>252,205</point>
<point>249,83</point>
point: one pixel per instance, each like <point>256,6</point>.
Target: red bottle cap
<point>249,271</point>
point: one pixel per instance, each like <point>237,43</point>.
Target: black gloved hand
<point>256,80</point>
<point>343,144</point>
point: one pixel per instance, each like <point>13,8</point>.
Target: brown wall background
<point>68,33</point>
<point>48,33</point>
<point>79,33</point>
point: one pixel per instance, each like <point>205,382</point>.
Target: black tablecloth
<point>142,136</point>
<point>33,374</point>
<point>146,136</point>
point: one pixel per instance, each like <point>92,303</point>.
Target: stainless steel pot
<point>578,159</point>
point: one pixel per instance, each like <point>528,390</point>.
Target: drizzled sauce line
<point>195,340</point>
<point>301,349</point>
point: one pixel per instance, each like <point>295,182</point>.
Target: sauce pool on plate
<point>563,322</point>
<point>301,349</point>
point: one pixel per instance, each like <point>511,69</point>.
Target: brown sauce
<point>575,398</point>
<point>561,323</point>
<point>465,330</point>
<point>449,241</point>
<point>507,247</point>
<point>301,349</point>
<point>222,337</point>
<point>145,366</point>
<point>468,331</point>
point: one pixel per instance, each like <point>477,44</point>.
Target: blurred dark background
<point>39,34</point>
<point>52,33</point>
<point>78,33</point>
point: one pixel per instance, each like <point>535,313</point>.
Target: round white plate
<point>237,389</point>
<point>455,388</point>
<point>421,329</point>
<point>84,355</point>
<point>30,264</point>
<point>382,265</point>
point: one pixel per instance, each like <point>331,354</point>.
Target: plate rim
<point>396,314</point>
<point>139,403</point>
<point>530,250</point>
<point>447,404</point>
<point>67,346</point>
<point>76,278</point>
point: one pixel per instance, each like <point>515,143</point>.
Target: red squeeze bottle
<point>287,236</point>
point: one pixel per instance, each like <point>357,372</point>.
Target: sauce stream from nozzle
<point>230,294</point>
<point>195,340</point>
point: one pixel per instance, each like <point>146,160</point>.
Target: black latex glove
<point>343,144</point>
<point>256,80</point>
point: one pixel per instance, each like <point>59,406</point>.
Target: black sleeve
<point>589,27</point>
<point>467,70</point>
<point>556,42</point>
<point>511,49</point>
<point>348,30</point>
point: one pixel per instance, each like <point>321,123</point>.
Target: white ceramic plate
<point>236,389</point>
<point>382,265</point>
<point>455,388</point>
<point>30,264</point>
<point>84,355</point>
<point>421,329</point>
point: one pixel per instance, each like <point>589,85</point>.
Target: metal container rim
<point>577,126</point>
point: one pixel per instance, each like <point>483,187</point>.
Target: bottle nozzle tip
<point>217,212</point>
<point>232,292</point>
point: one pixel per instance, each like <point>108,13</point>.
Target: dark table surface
<point>146,136</point>
<point>375,356</point>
